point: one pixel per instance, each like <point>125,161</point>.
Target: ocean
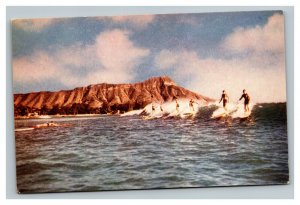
<point>119,153</point>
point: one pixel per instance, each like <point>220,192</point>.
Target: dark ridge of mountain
<point>103,98</point>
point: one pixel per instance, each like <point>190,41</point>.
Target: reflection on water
<point>112,153</point>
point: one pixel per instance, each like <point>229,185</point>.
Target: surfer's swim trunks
<point>224,102</point>
<point>225,99</point>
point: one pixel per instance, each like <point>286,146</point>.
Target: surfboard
<point>40,126</point>
<point>151,117</point>
<point>246,114</point>
<point>219,116</point>
<point>24,129</point>
<point>188,115</point>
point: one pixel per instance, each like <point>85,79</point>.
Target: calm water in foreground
<point>113,153</point>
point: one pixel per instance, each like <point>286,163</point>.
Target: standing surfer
<point>161,109</point>
<point>191,104</point>
<point>225,99</point>
<point>153,108</point>
<point>247,100</point>
<point>177,105</point>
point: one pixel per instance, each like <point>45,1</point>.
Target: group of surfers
<point>191,105</point>
<point>224,98</point>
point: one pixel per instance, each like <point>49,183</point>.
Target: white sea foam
<point>133,112</point>
<point>234,110</point>
<point>168,109</point>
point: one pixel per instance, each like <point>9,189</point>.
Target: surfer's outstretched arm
<point>221,99</point>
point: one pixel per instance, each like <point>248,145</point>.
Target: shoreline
<point>58,116</point>
<point>132,112</point>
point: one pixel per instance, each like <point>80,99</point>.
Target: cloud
<point>33,25</point>
<point>256,63</point>
<point>38,67</point>
<point>117,52</point>
<point>267,38</point>
<point>113,58</point>
<point>119,57</point>
<point>77,56</point>
<point>186,60</point>
<point>209,76</point>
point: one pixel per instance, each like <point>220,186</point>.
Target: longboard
<point>23,129</point>
<point>246,114</point>
<point>188,115</point>
<point>47,126</point>
<point>224,114</point>
<point>151,117</point>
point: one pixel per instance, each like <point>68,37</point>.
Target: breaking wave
<point>271,111</point>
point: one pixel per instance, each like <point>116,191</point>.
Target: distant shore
<point>58,116</point>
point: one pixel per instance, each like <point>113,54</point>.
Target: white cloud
<point>209,76</point>
<point>117,52</point>
<point>36,25</point>
<point>186,61</point>
<point>269,37</point>
<point>113,58</point>
<point>257,64</point>
<point>119,57</point>
<point>36,68</point>
<point>76,55</point>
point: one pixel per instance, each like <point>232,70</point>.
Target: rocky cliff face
<point>103,98</point>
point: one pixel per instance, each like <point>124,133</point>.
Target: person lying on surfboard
<point>247,100</point>
<point>48,124</point>
<point>225,99</point>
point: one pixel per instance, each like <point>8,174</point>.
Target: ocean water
<point>129,152</point>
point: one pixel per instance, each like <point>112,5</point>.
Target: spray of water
<point>233,110</point>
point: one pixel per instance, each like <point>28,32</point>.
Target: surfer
<point>153,108</point>
<point>48,124</point>
<point>247,100</point>
<point>225,99</point>
<point>177,105</point>
<point>161,109</point>
<point>191,104</point>
<point>51,124</point>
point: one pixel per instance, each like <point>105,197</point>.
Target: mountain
<point>103,98</point>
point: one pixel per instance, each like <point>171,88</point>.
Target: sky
<point>205,53</point>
